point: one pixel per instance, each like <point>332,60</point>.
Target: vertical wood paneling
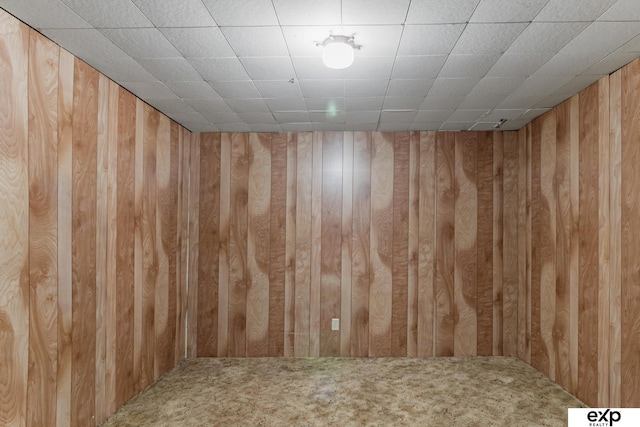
<point>290,248</point>
<point>85,130</point>
<point>500,301</point>
<point>170,232</point>
<point>400,256</point>
<point>258,241</point>
<point>510,245</point>
<point>523,202</point>
<point>485,246</point>
<point>65,146</point>
<point>209,245</point>
<point>615,212</point>
<point>413,273</point>
<point>238,245</point>
<point>381,290</point>
<point>466,241</point>
<point>315,283</point>
<point>304,163</point>
<point>277,245</point>
<point>194,246</point>
<point>331,242</point>
<point>223,241</point>
<point>14,221</point>
<point>184,194</point>
<point>630,315</point>
<point>138,266</point>
<point>43,227</point>
<point>346,244</point>
<point>360,268</point>
<point>427,238</point>
<point>445,244</point>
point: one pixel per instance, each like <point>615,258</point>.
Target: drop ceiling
<point>253,65</point>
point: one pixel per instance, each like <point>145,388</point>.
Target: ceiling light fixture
<point>337,51</point>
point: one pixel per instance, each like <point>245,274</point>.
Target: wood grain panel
<point>65,144</point>
<point>170,233</point>
<point>183,241</point>
<point>413,248</point>
<point>360,260</point>
<point>445,244</point>
<point>499,292</point>
<point>277,244</point>
<point>14,221</point>
<point>223,241</point>
<point>523,202</point>
<point>258,240</point>
<point>346,244</point>
<point>238,245</point>
<point>316,247</point>
<point>43,228</point>
<point>125,246</point>
<point>427,242</point>
<point>194,245</point>
<point>290,248</point>
<point>208,257</point>
<point>615,212</point>
<point>466,241</point>
<point>304,163</point>
<point>138,265</point>
<point>331,242</point>
<point>510,245</point>
<point>400,255</point>
<point>489,316</point>
<point>381,255</point>
<point>630,315</point>
<point>85,130</point>
<point>589,270</point>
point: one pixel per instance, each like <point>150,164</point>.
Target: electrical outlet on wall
<point>335,324</point>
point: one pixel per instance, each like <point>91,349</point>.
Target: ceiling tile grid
<point>255,65</point>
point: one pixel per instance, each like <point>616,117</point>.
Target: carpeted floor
<point>349,392</point>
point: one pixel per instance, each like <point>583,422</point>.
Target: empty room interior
<point>336,212</point>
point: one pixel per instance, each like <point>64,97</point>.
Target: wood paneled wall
<point>579,294</point>
<point>92,241</point>
<point>408,238</point>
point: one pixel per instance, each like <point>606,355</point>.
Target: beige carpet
<point>349,392</point>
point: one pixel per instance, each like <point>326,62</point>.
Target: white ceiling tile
<point>172,106</point>
<point>488,38</point>
<point>322,88</point>
<point>192,117</point>
<point>483,126</point>
<point>212,69</point>
<point>611,63</point>
<point>192,90</point>
<point>247,105</point>
<point>278,88</point>
<point>574,10</point>
<point>373,68</point>
<point>265,127</point>
<point>457,126</point>
<point>365,88</point>
<point>507,10</point>
<point>210,106</point>
<point>122,69</point>
<point>165,69</point>
<point>424,126</point>
<point>297,127</point>
<point>533,113</point>
<point>206,42</point>
<point>402,102</point>
<point>256,41</point>
<point>552,100</point>
<point>242,13</point>
<point>308,12</point>
<point>86,43</point>
<point>438,11</point>
<point>176,13</point>
<point>200,127</point>
<point>632,45</point>
<point>397,116</point>
<point>533,90</point>
<point>264,118</point>
<point>236,89</point>
<point>467,65</point>
<point>393,127</point>
<point>546,37</point>
<point>417,88</point>
<point>477,100</point>
<point>445,102</point>
<point>327,116</point>
<point>325,104</point>
<point>363,104</point>
<point>417,67</point>
<point>498,114</point>
<point>361,127</point>
<point>374,11</point>
<point>567,64</point>
<point>312,68</point>
<point>378,40</point>
<point>441,39</point>
<point>111,14</point>
<point>497,85</point>
<point>579,83</point>
<point>328,127</point>
<point>432,115</point>
<point>592,42</point>
<point>623,10</point>
<point>452,87</point>
<point>44,14</point>
<point>292,116</point>
<point>234,127</point>
<point>269,68</point>
<point>467,115</point>
<point>517,64</point>
<point>142,42</point>
<point>285,104</point>
<point>150,90</point>
<point>301,40</point>
<point>222,118</point>
<point>514,125</point>
<point>362,116</point>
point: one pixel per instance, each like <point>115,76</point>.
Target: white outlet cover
<point>335,324</point>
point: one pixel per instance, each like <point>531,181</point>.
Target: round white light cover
<point>337,55</point>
